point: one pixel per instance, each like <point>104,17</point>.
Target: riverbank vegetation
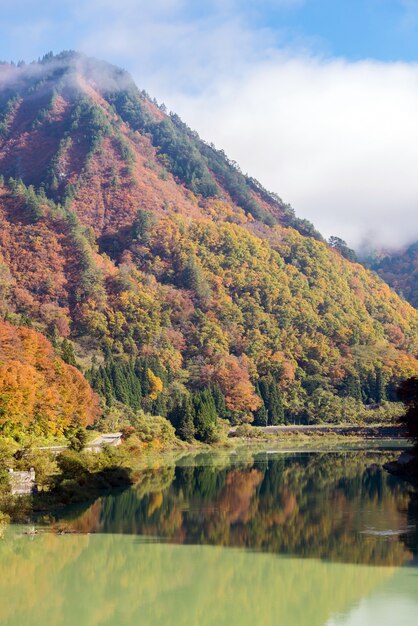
<point>407,464</point>
<point>408,394</point>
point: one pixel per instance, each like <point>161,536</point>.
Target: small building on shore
<point>107,439</point>
<point>23,483</point>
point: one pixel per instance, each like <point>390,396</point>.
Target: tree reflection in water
<point>340,507</point>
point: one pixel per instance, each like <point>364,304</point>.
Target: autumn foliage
<point>127,236</point>
<point>39,393</point>
<point>399,269</point>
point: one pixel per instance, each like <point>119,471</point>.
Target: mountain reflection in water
<point>336,506</point>
<point>220,542</point>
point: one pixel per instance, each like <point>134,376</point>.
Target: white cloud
<point>171,50</point>
<point>338,140</point>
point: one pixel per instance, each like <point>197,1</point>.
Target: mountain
<point>184,287</point>
<point>399,269</point>
<point>80,128</point>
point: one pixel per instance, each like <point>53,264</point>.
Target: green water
<point>258,539</point>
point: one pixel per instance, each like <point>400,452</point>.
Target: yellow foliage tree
<point>156,385</point>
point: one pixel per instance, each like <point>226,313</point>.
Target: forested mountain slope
<point>186,289</point>
<point>82,130</point>
<point>400,270</point>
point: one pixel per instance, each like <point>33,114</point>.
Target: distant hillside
<point>186,289</point>
<point>399,269</point>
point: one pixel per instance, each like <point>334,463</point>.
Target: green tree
<point>343,249</point>
<point>219,400</point>
<point>351,387</point>
<point>67,352</point>
<point>194,279</point>
<point>77,439</point>
<point>408,394</point>
<point>260,415</point>
<point>119,383</point>
<point>272,399</point>
<point>206,417</point>
<point>141,228</point>
<point>182,417</point>
<point>380,386</point>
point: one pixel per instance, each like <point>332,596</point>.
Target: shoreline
<point>342,433</point>
<point>48,508</point>
<point>124,466</point>
<point>375,430</point>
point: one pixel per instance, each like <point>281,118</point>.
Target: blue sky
<point>355,29</point>
<point>318,99</point>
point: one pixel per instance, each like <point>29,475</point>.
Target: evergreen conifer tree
<point>352,387</point>
<point>159,406</point>
<point>108,391</point>
<point>67,352</point>
<point>182,417</point>
<point>369,388</point>
<point>260,415</point>
<point>219,400</point>
<point>380,386</point>
<point>206,417</point>
<point>271,396</point>
<point>194,279</point>
<point>275,405</point>
<point>118,380</point>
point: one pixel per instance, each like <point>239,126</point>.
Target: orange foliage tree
<point>40,393</point>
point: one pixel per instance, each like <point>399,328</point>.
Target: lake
<point>237,539</point>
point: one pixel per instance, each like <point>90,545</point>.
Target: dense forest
<point>175,284</point>
<point>399,269</point>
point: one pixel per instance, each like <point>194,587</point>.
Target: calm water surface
<point>254,539</point>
